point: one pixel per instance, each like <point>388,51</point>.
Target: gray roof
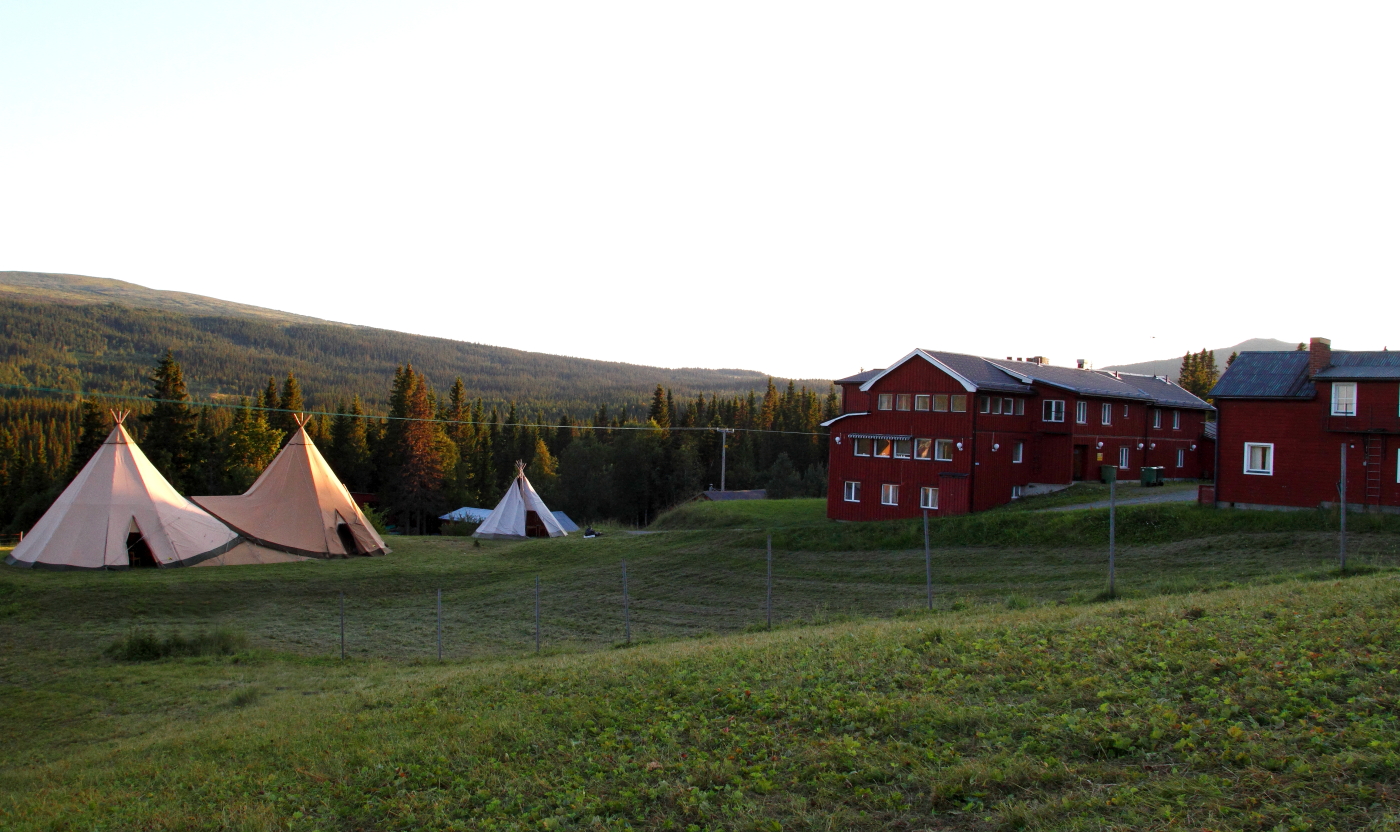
<point>1085,382</point>
<point>1165,392</point>
<point>981,372</point>
<point>1265,375</point>
<point>1362,365</point>
<point>859,378</point>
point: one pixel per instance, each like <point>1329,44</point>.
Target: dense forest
<point>428,451</point>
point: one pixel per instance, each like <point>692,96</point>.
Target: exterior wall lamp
<point>1099,446</point>
<point>1139,446</point>
<point>960,446</point>
<point>995,447</point>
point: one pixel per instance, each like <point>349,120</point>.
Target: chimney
<point>1319,355</point>
<point>1079,363</point>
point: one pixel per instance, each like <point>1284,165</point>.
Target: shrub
<point>144,646</point>
<point>462,529</point>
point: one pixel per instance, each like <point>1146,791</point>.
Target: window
<point>903,448</point>
<point>1176,420</point>
<point>889,494</point>
<point>996,406</point>
<point>1020,407</point>
<point>943,450</point>
<point>1053,410</point>
<point>1017,451</point>
<point>884,447</point>
<point>986,406</point>
<point>1259,458</point>
<point>901,402</point>
<point>885,401</point>
<point>1015,492</point>
<point>940,403</point>
<point>923,448</point>
<point>959,404</point>
<point>1344,398</point>
<point>928,497</point>
<point>1123,457</point>
<point>1157,418</point>
<point>1181,457</point>
<point>1081,413</point>
<point>1106,413</point>
<point>852,492</point>
<point>1125,411</point>
<point>921,402</point>
<point>1008,406</point>
<point>863,446</point>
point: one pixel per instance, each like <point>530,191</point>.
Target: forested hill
<point>105,335</point>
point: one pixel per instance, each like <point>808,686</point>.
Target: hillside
<point>90,333</point>
<point>1171,367</point>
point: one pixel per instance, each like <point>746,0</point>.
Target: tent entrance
<point>534,526</point>
<point>138,551</point>
<point>347,539</point>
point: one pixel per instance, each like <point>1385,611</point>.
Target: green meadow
<point>1238,681</point>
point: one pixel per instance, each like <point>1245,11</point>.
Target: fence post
<point>928,564</point>
<point>439,623</point>
<point>342,624</point>
<point>626,604</point>
<point>768,602</point>
<point>537,613</point>
<point>1112,517</point>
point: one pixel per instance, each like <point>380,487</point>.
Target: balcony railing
<point>1385,419</point>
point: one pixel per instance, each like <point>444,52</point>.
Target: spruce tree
<point>170,424</point>
<point>1231,360</point>
<point>249,446</point>
<point>93,432</point>
<point>290,404</point>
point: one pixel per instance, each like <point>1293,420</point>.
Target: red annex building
<point>954,433</point>
<point>1284,417</point>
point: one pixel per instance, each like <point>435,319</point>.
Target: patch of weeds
<point>1194,614</point>
<point>247,696</point>
<point>144,646</point>
<point>1016,602</point>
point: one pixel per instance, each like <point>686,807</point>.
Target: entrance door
<point>534,526</point>
<point>138,551</point>
<point>1080,451</point>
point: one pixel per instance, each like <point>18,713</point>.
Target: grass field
<point>1242,684</point>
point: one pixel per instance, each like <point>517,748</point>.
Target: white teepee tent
<point>299,505</point>
<point>119,512</point>
<point>520,514</point>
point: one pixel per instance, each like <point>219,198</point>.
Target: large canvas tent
<point>120,512</point>
<point>298,505</point>
<point>520,514</point>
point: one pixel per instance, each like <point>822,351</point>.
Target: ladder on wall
<point>1375,466</point>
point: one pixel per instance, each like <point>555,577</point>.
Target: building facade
<point>1288,418</point>
<point>953,433</point>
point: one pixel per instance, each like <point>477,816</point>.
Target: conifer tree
<point>249,446</point>
<point>1231,360</point>
<point>170,424</point>
<point>659,412</point>
<point>268,398</point>
<point>289,403</point>
<point>93,432</point>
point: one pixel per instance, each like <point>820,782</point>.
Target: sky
<point>805,189</point>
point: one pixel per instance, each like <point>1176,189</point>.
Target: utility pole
<point>723,453</point>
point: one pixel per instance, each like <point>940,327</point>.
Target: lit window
<point>940,403</point>
<point>885,401</point>
<point>1015,492</point>
<point>1106,413</point>
<point>943,450</point>
<point>884,447</point>
<point>863,446</point>
<point>921,402</point>
<point>1081,413</point>
<point>928,498</point>
<point>852,492</point>
<point>1123,457</point>
<point>1176,420</point>
<point>1344,398</point>
<point>1017,451</point>
<point>986,405</point>
<point>1259,458</point>
<point>1156,418</point>
<point>1181,457</point>
<point>923,448</point>
<point>1020,407</point>
<point>889,494</point>
<point>902,448</point>
<point>959,404</point>
<point>1053,410</point>
<point>901,402</point>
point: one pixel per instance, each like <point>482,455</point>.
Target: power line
<point>240,406</point>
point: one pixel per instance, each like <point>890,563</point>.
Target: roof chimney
<point>1079,363</point>
<point>1319,355</point>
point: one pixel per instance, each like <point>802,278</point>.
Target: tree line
<point>428,452</point>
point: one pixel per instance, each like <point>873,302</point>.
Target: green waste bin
<point>1107,473</point>
<point>1147,476</point>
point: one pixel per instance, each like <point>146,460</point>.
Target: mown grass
<point>1092,492</point>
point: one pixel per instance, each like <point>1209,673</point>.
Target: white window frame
<point>889,494</point>
<point>1262,472</point>
<point>1015,492</point>
<point>1156,417</point>
<point>889,446</point>
<point>997,403</point>
<point>903,401</point>
<point>1081,413</point>
<point>939,446</point>
<point>985,405</point>
<point>908,447</point>
<point>1124,457</point>
<point>1338,403</point>
<point>1052,410</point>
<point>1176,420</point>
<point>958,403</point>
<point>852,491</point>
<point>923,449</point>
<point>856,446</point>
<point>940,402</point>
<point>1125,411</point>
<point>884,401</point>
<point>1020,407</point>
<point>921,401</point>
<point>1105,414</point>
<point>1018,452</point>
<point>928,498</point>
<point>1181,457</point>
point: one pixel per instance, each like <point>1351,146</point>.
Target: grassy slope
<point>1045,716</point>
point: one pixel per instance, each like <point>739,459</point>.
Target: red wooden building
<point>1285,416</point>
<point>954,433</point>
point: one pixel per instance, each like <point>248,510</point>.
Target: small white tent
<point>520,514</point>
<point>120,512</point>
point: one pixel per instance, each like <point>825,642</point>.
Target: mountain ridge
<point>1171,367</point>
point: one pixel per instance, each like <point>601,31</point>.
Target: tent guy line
<point>194,403</point>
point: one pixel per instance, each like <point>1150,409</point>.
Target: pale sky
<point>804,189</point>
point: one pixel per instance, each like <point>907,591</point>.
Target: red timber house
<point>956,433</point>
<point>1285,417</point>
